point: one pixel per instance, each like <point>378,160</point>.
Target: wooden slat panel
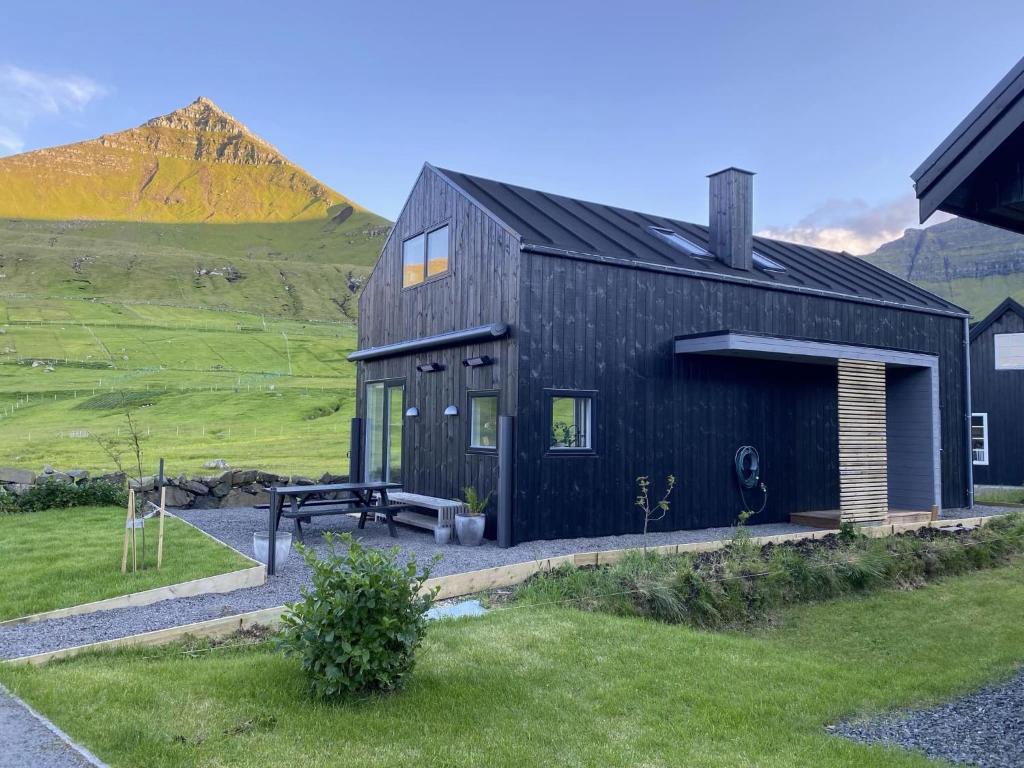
<point>863,476</point>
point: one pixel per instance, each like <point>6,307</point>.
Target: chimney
<point>731,217</point>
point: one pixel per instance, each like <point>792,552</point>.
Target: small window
<point>483,421</point>
<point>571,422</point>
<point>679,242</point>
<point>437,251</point>
<point>412,261</point>
<point>979,438</point>
<point>1009,349</point>
<point>425,255</point>
<point>768,265</point>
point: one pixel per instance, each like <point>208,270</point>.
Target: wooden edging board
<point>253,576</point>
<point>459,584</point>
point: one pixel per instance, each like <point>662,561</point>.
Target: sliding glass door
<point>385,409</point>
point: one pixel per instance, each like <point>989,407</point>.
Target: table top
<point>306,490</point>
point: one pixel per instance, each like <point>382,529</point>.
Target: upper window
<point>571,422</point>
<point>679,242</point>
<point>979,438</point>
<point>1009,351</point>
<point>483,421</point>
<point>769,265</point>
<point>425,255</point>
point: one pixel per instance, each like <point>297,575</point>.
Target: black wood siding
<point>1000,394</point>
<point>607,328</point>
<point>481,288</point>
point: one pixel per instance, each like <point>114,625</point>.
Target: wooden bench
<point>444,510</point>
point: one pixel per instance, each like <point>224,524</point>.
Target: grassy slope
<point>270,393</point>
<point>537,686</point>
<point>61,558</point>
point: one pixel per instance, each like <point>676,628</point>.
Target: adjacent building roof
<point>1007,305</point>
<point>975,172</point>
<point>560,225</point>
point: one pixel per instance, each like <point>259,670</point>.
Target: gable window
<point>570,416</point>
<point>483,421</point>
<point>1009,351</point>
<point>979,438</point>
<point>425,255</point>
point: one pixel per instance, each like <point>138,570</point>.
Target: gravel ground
<point>980,510</point>
<point>236,526</point>
<point>984,729</point>
<point>31,742</point>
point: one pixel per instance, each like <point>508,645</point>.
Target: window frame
<point>549,402</point>
<point>426,232</point>
<point>470,396</point>
<point>984,439</point>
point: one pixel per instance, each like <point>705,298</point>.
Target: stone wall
<point>224,488</point>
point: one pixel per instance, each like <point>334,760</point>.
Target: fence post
<point>505,485</point>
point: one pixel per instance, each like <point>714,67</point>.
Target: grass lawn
<point>1000,496</point>
<point>66,557</point>
<point>538,686</point>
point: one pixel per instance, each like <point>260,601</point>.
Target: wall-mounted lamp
<point>429,367</point>
<point>451,410</point>
<point>476,362</point>
<point>413,412</point>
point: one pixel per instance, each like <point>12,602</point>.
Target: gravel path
<point>30,741</point>
<point>984,729</point>
<point>236,526</point>
<point>980,510</point>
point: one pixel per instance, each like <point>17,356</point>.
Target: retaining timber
<point>471,582</point>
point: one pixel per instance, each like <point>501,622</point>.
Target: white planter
<point>261,547</point>
<point>442,535</point>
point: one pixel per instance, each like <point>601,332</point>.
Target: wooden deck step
<point>829,518</point>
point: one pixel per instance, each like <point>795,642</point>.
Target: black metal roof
<point>962,175</point>
<point>560,225</point>
<point>1007,305</point>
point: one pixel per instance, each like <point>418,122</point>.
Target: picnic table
<point>304,503</point>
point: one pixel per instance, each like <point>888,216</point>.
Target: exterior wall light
<point>413,412</point>
<point>476,362</point>
<point>451,410</point>
<point>429,367</point>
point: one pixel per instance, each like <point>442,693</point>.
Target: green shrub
<point>58,495</point>
<point>358,626</point>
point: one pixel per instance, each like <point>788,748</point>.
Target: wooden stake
<point>135,551</point>
<point>127,522</point>
<point>160,537</point>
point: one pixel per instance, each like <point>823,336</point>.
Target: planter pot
<point>470,529</point>
<point>442,535</point>
<point>282,546</point>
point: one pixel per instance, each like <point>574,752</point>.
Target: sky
<point>832,104</point>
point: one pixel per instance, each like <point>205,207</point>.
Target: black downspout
<point>355,452</point>
<point>968,416</point>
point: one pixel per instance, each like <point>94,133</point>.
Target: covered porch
<point>888,422</point>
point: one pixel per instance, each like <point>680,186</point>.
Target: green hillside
<point>973,265</point>
<point>202,384</point>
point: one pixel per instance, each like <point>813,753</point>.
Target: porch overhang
<point>889,424</point>
<point>449,339</point>
<point>745,344</point>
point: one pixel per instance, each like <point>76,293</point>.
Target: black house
<point>997,396</point>
<point>552,350</point>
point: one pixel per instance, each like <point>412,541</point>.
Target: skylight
<point>769,265</point>
<point>679,242</point>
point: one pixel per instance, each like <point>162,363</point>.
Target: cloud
<point>26,95</point>
<point>853,225</point>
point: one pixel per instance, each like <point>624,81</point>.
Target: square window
<point>483,421</point>
<point>571,422</point>
<point>437,251</point>
<point>412,261</point>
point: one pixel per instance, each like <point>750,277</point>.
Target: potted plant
<point>469,522</point>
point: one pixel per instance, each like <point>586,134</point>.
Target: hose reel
<point>747,463</point>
